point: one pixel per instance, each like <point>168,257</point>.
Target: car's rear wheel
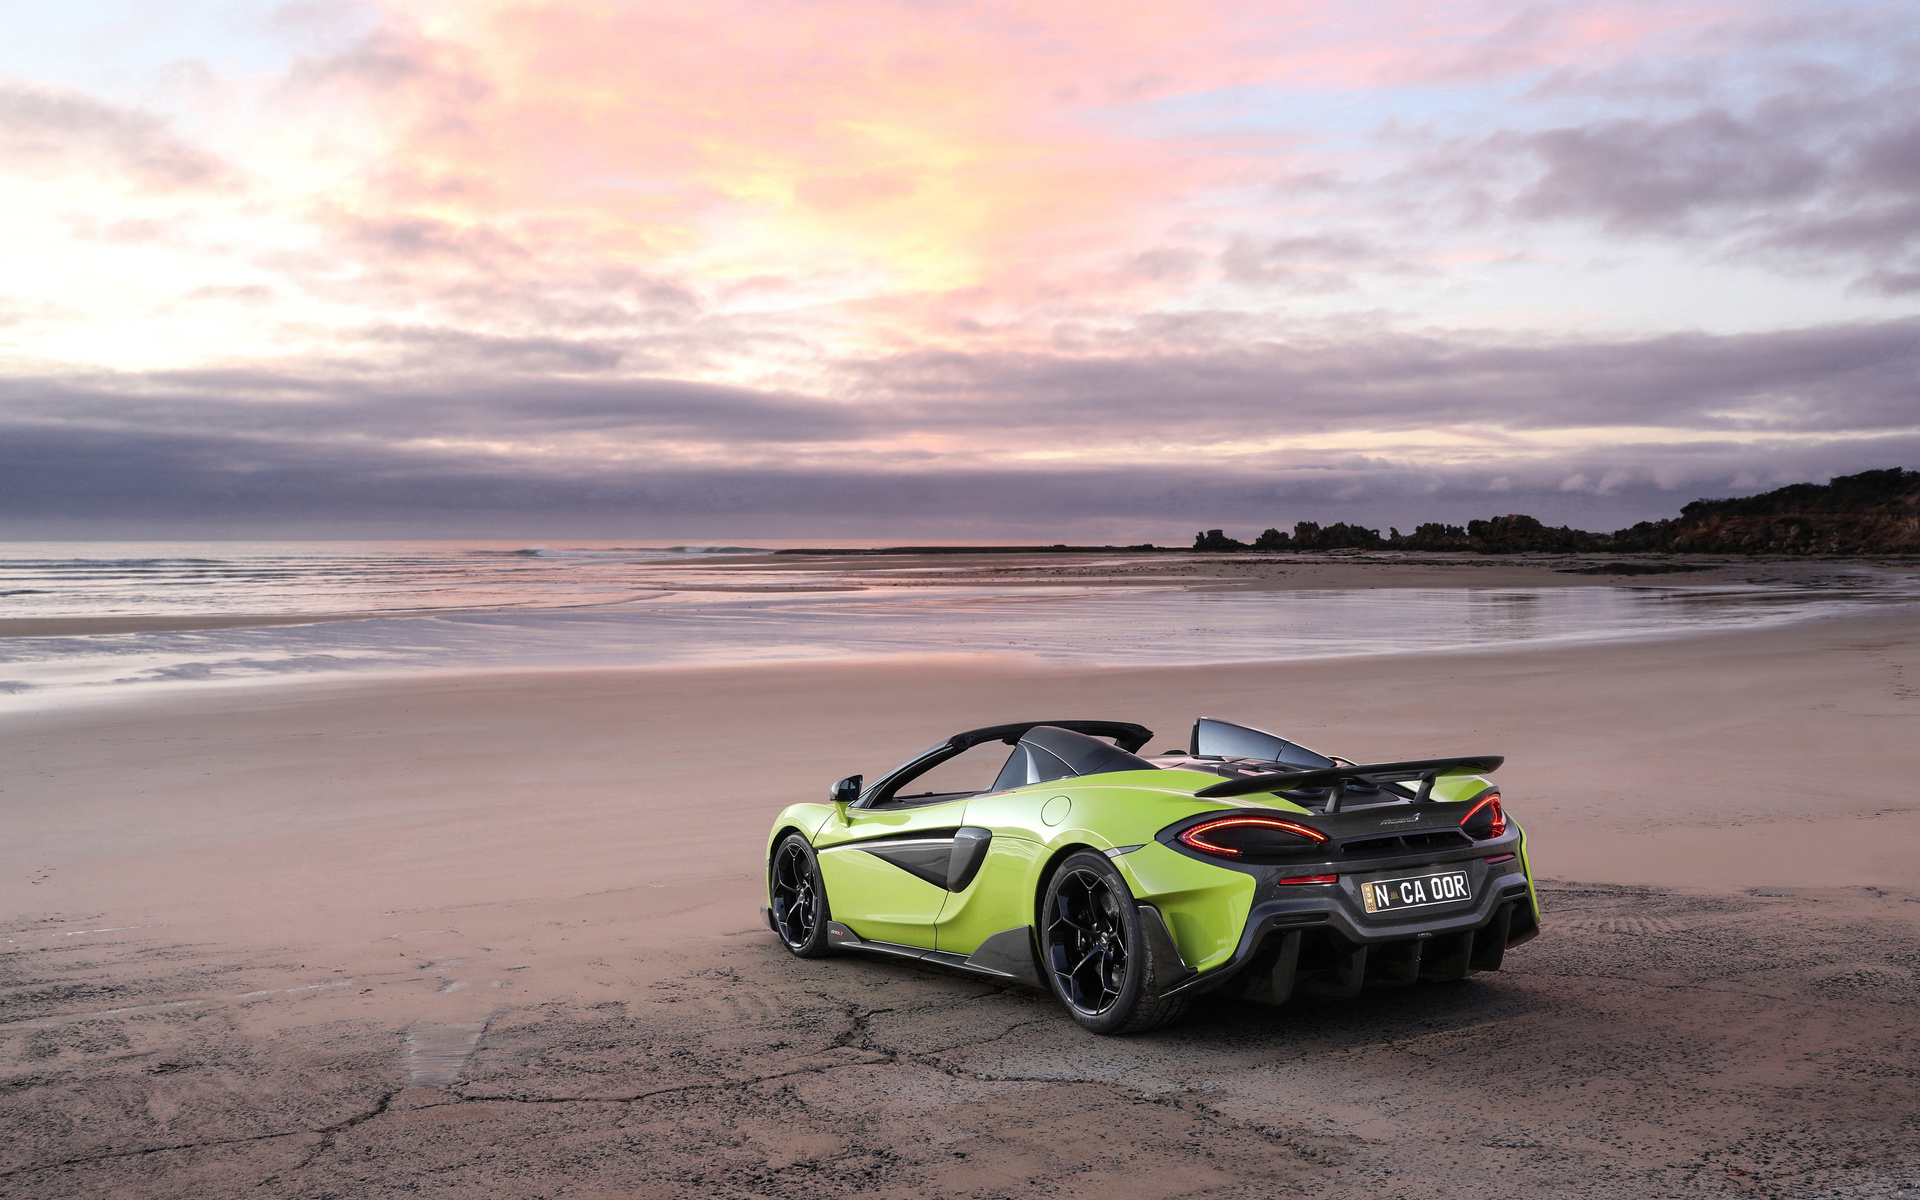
<point>798,899</point>
<point>1095,949</point>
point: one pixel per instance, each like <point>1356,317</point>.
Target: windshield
<point>1222,739</point>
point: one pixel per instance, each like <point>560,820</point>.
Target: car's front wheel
<point>1095,948</point>
<point>798,899</point>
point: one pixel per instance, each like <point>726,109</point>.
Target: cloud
<point>1323,262</point>
<point>259,409</point>
<point>1854,376</point>
<point>1165,264</point>
<point>77,480</point>
<point>926,147</point>
<point>410,237</point>
<point>44,129</point>
<point>244,293</point>
<point>551,431</point>
<point>1821,175</point>
<point>431,346</point>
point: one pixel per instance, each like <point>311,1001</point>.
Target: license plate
<point>1412,891</point>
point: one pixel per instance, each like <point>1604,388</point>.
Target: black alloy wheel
<point>798,899</point>
<point>1095,949</point>
<point>1086,942</point>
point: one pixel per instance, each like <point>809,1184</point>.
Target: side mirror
<point>844,793</point>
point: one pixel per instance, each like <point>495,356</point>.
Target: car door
<point>885,869</point>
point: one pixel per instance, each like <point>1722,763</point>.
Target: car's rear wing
<point>1426,770</point>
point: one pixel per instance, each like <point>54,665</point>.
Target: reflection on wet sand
<point>1062,624</point>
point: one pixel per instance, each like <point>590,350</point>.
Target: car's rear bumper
<point>1319,939</point>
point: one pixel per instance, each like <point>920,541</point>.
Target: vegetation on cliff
<point>1874,512</point>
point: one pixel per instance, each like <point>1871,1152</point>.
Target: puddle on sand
<point>436,1054</point>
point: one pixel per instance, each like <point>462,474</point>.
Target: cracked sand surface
<point>1650,1043</point>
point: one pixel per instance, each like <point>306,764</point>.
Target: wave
<point>41,564</point>
<point>542,552</point>
<point>620,551</point>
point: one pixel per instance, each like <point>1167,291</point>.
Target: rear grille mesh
<point>1445,839</point>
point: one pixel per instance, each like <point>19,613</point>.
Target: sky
<point>955,269</point>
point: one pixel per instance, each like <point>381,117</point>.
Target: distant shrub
<point>1214,539</point>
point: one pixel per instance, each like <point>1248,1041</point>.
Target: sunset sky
<point>938,268</point>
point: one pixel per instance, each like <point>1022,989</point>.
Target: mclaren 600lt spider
<point>1128,884</point>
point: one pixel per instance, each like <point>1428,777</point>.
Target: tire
<point>1094,949</point>
<point>798,898</point>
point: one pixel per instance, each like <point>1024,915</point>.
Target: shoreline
<point>343,685</point>
<point>1186,571</point>
<point>104,696</point>
<point>1383,610</point>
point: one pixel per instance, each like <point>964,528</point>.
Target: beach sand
<point>498,935</point>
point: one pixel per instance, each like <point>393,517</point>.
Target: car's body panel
<point>999,898</point>
<point>1526,867</point>
<point>885,903</point>
<point>872,891</point>
<point>959,880</point>
<point>806,819</point>
<point>1203,906</point>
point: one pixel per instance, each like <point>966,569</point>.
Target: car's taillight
<point>1312,879</point>
<point>1499,858</point>
<point>1485,819</point>
<point>1234,837</point>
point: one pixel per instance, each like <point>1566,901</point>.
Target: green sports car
<point>1127,885</point>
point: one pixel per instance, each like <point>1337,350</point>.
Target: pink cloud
<point>928,167</point>
<point>955,141</point>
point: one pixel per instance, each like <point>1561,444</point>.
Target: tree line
<point>1874,512</point>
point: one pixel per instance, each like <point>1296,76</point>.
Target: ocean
<point>457,606</point>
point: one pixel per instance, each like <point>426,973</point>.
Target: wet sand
<point>496,935</point>
<point>1301,572</point>
<point>43,627</point>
